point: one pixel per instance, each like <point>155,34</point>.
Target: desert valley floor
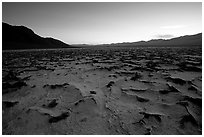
<point>102,91</point>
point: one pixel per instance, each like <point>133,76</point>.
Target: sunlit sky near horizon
<point>97,23</point>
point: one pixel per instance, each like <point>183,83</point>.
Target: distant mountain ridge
<point>183,41</point>
<point>20,37</point>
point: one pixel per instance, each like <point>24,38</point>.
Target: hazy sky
<point>94,23</point>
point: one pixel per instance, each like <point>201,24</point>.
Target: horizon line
<point>103,43</point>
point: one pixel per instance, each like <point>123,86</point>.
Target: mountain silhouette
<point>183,41</point>
<point>20,37</point>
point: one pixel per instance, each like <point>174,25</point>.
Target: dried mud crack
<point>103,91</point>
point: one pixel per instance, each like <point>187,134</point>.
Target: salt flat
<point>102,91</point>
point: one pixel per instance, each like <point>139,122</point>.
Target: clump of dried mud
<point>102,91</point>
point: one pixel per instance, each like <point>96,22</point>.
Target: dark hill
<point>20,37</point>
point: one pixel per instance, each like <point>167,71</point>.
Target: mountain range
<point>21,37</point>
<point>183,41</point>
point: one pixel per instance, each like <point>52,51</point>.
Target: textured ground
<point>102,91</point>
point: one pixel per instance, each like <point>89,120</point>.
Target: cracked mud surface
<point>102,91</point>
